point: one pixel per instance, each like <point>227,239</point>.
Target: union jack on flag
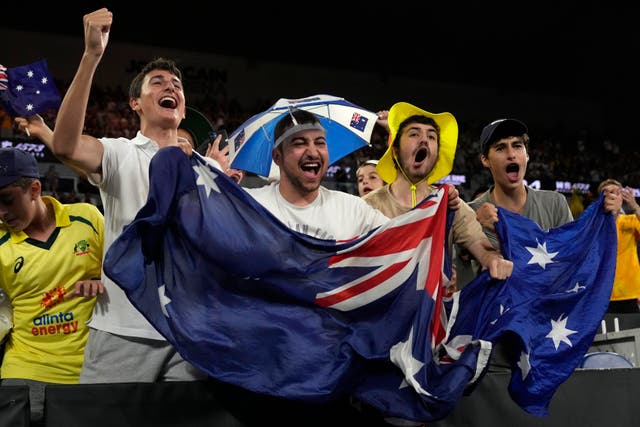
<point>358,121</point>
<point>4,96</point>
<point>3,77</point>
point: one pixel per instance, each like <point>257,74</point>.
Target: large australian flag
<point>255,304</point>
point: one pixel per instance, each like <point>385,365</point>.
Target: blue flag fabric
<point>255,304</point>
<point>550,309</point>
<point>29,90</point>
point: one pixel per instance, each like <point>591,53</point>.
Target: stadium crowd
<point>577,157</point>
<point>125,335</point>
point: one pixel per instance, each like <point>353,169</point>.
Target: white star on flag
<point>206,180</point>
<point>559,332</point>
<point>401,355</point>
<point>577,288</point>
<point>164,300</point>
<point>524,364</point>
<point>502,311</point>
<point>540,255</point>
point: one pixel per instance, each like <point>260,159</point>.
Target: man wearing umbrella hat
<point>421,151</point>
<point>298,199</point>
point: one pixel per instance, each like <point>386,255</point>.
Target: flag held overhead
<point>28,90</point>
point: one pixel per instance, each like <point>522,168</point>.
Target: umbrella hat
<point>348,128</point>
<point>401,111</point>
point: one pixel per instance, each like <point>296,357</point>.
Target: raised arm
<point>80,151</point>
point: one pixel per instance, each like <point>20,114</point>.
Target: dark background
<point>582,49</point>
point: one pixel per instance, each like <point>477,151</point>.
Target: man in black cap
<point>503,150</point>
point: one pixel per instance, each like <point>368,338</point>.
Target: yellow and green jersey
<point>50,332</point>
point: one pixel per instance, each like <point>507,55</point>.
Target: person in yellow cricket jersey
<point>50,263</point>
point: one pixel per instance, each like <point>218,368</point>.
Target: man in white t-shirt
<point>298,199</point>
<point>122,344</point>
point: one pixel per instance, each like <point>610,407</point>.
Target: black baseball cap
<point>197,125</point>
<point>499,129</point>
<point>16,164</point>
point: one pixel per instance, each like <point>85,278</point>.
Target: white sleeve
<point>6,315</point>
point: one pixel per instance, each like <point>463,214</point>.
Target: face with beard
<point>418,150</point>
<point>303,160</point>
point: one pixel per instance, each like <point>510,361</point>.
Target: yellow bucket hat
<point>401,111</point>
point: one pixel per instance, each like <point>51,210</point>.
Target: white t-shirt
<point>124,190</point>
<point>332,215</point>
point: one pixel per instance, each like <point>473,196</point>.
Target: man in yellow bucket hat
<point>424,166</point>
<point>421,149</point>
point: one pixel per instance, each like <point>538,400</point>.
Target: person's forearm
<point>491,259</point>
<point>484,252</point>
<point>46,136</point>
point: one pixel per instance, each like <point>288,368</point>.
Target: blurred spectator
<point>575,203</point>
<point>368,178</point>
<point>626,284</point>
<point>52,180</point>
<point>6,125</point>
